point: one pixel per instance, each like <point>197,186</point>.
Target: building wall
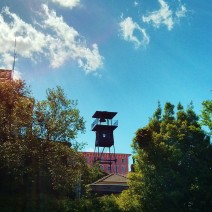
<point>121,166</point>
<point>5,75</point>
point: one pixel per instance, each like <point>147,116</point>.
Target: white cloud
<point>29,40</point>
<point>162,16</point>
<point>128,28</point>
<point>62,42</point>
<point>67,3</point>
<point>68,44</point>
<point>181,12</point>
<point>165,16</point>
<point>7,59</point>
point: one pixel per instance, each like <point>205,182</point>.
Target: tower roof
<point>104,114</point>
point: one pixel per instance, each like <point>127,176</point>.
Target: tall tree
<point>57,118</point>
<point>173,167</point>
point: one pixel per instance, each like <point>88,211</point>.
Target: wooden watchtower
<point>104,125</point>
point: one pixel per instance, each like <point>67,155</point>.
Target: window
<point>116,169</point>
<point>104,135</point>
<point>108,168</point>
<point>122,160</point>
<point>101,160</point>
<point>122,169</point>
<point>102,167</point>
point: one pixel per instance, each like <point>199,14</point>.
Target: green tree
<point>59,168</point>
<point>57,118</point>
<point>36,168</point>
<point>173,164</point>
<point>206,116</point>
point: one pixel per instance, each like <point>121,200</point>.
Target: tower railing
<point>107,122</point>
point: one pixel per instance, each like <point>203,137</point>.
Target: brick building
<point>121,166</point>
<point>5,75</point>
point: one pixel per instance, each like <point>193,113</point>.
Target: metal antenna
<point>14,58</point>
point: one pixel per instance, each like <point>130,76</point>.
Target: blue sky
<point>112,55</point>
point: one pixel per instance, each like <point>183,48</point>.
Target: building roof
<point>115,179</point>
<point>110,184</point>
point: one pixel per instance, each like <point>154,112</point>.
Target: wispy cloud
<point>135,3</point>
<point>30,42</point>
<point>55,41</point>
<point>128,28</point>
<point>7,59</point>
<point>67,3</point>
<point>68,44</point>
<point>165,16</point>
<point>161,16</point>
<point>181,12</point>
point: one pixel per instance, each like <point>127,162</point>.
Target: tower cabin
<point>104,125</point>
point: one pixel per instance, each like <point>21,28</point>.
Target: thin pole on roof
<point>14,58</point>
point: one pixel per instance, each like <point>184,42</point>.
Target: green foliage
<point>173,164</point>
<point>38,168</point>
<point>157,113</point>
<point>13,158</point>
<point>15,109</point>
<point>39,171</point>
<point>129,200</point>
<point>168,115</point>
<point>206,116</point>
<point>57,118</point>
<point>109,203</point>
<point>61,165</point>
<point>104,204</point>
